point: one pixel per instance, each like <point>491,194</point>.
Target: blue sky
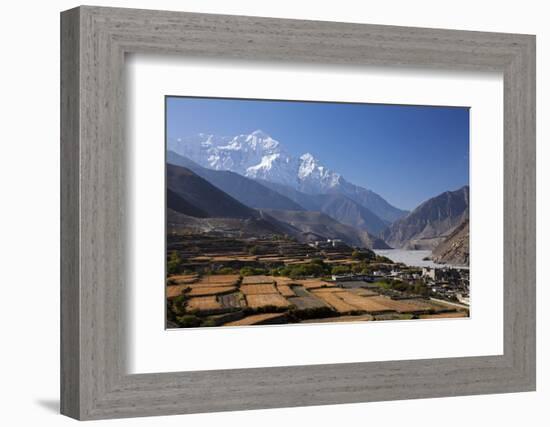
<point>407,154</point>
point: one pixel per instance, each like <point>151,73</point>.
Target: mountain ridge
<point>431,222</point>
<point>260,157</point>
<point>194,203</point>
<point>204,196</point>
<point>247,191</point>
<point>321,226</point>
<point>455,249</point>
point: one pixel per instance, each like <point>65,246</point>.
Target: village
<point>214,280</point>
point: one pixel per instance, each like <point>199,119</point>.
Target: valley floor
<point>219,281</point>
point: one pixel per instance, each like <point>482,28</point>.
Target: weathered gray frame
<point>94,42</point>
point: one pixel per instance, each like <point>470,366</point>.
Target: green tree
<point>383,259</point>
<point>251,271</point>
<point>357,268</point>
<point>189,321</point>
<point>173,265</point>
<point>340,269</point>
<point>209,323</point>
<point>363,254</point>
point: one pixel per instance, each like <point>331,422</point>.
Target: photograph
<point>287,212</point>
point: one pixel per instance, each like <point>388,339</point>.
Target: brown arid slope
<point>455,249</point>
<point>179,204</point>
<point>347,211</point>
<point>263,225</point>
<point>431,222</point>
<point>319,226</point>
<point>247,191</point>
<point>202,195</point>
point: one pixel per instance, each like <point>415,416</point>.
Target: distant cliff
<point>430,223</point>
<point>455,249</point>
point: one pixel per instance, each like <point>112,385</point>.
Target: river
<point>412,258</point>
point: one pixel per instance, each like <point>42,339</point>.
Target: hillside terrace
<point>219,281</point>
<point>206,251</point>
<point>234,300</point>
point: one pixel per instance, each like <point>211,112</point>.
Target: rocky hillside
<point>347,211</point>
<point>431,222</point>
<point>179,204</point>
<point>203,196</point>
<point>336,205</point>
<point>318,226</point>
<point>264,195</point>
<point>455,249</point>
<point>245,190</point>
<point>195,205</point>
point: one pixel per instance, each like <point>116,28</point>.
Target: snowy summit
<point>259,156</point>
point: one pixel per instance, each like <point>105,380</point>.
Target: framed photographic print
<point>259,232</point>
<point>303,212</point>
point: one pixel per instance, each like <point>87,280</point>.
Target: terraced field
<point>206,285</point>
<point>400,306</point>
<point>328,290</point>
<point>315,284</point>
<point>175,290</point>
<point>271,259</point>
<point>285,281</point>
<point>267,300</point>
<point>444,315</point>
<point>234,258</point>
<point>183,279</point>
<point>218,280</point>
<point>285,291</point>
<point>258,289</point>
<point>364,292</point>
<point>369,305</point>
<point>304,303</point>
<point>204,304</point>
<point>228,299</point>
<point>259,319</point>
<point>233,300</point>
<point>339,319</point>
<point>336,303</point>
<point>299,291</point>
<point>430,306</point>
<point>210,290</point>
<point>258,280</point>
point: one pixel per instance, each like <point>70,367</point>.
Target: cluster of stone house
<point>449,282</point>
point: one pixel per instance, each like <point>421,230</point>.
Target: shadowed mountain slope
<point>347,211</point>
<point>319,226</point>
<point>371,201</point>
<point>195,205</point>
<point>202,195</point>
<point>338,206</point>
<point>261,157</point>
<point>431,222</point>
<point>179,204</point>
<point>455,249</point>
<point>247,191</point>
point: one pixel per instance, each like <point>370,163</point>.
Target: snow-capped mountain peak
<point>314,176</point>
<point>257,155</point>
<point>258,133</point>
<point>308,157</point>
<point>261,140</point>
<point>308,165</point>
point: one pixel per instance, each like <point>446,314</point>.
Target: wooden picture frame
<point>94,41</point>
